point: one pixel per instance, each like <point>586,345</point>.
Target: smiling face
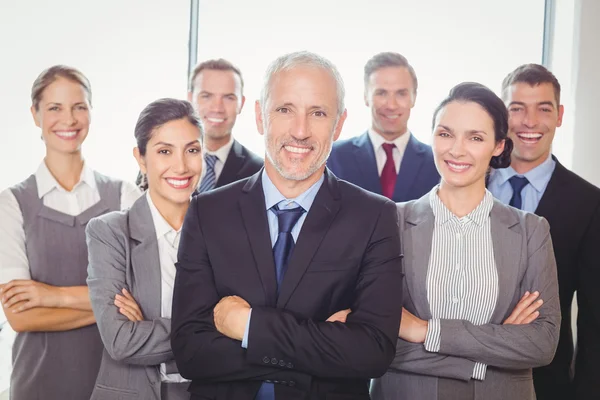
<point>464,144</point>
<point>217,96</point>
<point>173,162</point>
<point>533,119</point>
<point>300,122</point>
<point>63,115</point>
<point>390,94</point>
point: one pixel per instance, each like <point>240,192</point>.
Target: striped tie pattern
<point>210,179</point>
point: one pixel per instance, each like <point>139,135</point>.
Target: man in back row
<point>537,182</point>
<point>387,159</point>
<point>217,94</point>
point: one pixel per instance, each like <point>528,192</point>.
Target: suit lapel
<point>315,227</point>
<point>145,260</point>
<point>556,186</point>
<point>366,164</point>
<point>254,215</point>
<point>409,169</point>
<point>507,244</point>
<point>233,164</point>
<point>417,238</point>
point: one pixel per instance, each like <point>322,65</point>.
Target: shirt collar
<point>161,226</point>
<point>273,196</point>
<point>478,216</point>
<point>222,152</point>
<point>46,182</point>
<point>538,177</point>
<point>377,140</point>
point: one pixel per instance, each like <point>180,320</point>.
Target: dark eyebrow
<point>192,143</point>
<point>474,131</point>
<point>447,128</point>
<point>541,103</point>
<point>163,144</point>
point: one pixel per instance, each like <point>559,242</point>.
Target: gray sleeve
<point>141,343</point>
<point>515,346</point>
<point>412,357</point>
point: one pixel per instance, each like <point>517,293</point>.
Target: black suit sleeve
<point>362,347</point>
<point>588,298</point>
<point>201,352</point>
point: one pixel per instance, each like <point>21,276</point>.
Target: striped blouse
<point>462,280</point>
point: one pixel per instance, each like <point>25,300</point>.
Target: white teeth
<point>178,182</point>
<point>215,120</point>
<point>299,150</point>
<point>530,135</point>
<point>460,167</point>
<point>66,134</point>
<point>392,116</point>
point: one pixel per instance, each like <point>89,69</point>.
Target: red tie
<point>388,174</point>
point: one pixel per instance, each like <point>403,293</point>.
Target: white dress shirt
<point>222,155</point>
<point>168,243</point>
<point>13,256</point>
<point>462,279</point>
<point>400,142</point>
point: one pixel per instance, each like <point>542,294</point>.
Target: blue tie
<point>210,179</point>
<point>517,183</point>
<point>281,254</point>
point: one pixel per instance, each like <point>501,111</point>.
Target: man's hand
<point>412,329</point>
<point>29,294</point>
<point>339,316</point>
<point>526,310</point>
<point>231,316</point>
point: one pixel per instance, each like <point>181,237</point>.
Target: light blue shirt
<point>272,197</point>
<point>532,192</point>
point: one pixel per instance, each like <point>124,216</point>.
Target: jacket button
<point>268,381</point>
<point>284,382</point>
<point>290,365</point>
<point>292,383</point>
<point>274,361</point>
<point>281,363</point>
<point>266,360</point>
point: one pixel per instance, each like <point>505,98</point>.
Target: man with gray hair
<point>307,304</point>
<point>387,159</point>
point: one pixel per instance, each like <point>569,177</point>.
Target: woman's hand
<point>526,310</point>
<point>128,306</point>
<point>29,294</point>
<point>412,329</point>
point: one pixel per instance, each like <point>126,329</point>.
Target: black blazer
<point>241,163</point>
<point>347,256</point>
<point>354,160</point>
<point>572,207</point>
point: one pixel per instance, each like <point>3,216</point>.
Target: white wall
<point>586,90</point>
<point>446,41</point>
<point>132,51</point>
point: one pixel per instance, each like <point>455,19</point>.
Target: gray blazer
<point>525,262</point>
<point>123,253</point>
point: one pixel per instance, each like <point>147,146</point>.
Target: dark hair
<point>217,65</point>
<point>155,115</point>
<point>533,75</point>
<point>477,93</point>
<point>49,75</point>
<point>389,59</point>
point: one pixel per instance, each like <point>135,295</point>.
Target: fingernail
<point>536,293</point>
<point>540,301</point>
<point>527,293</point>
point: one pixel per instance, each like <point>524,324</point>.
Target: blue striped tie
<point>210,179</point>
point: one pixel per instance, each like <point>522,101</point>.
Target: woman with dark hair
<point>476,271</point>
<point>43,253</point>
<point>132,257</point>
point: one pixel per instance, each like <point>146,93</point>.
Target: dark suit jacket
<point>241,163</point>
<point>354,160</point>
<point>347,256</point>
<point>572,207</point>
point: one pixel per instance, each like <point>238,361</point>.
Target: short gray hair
<point>298,59</point>
<point>389,59</point>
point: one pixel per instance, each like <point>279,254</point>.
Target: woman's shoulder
<point>529,222</point>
